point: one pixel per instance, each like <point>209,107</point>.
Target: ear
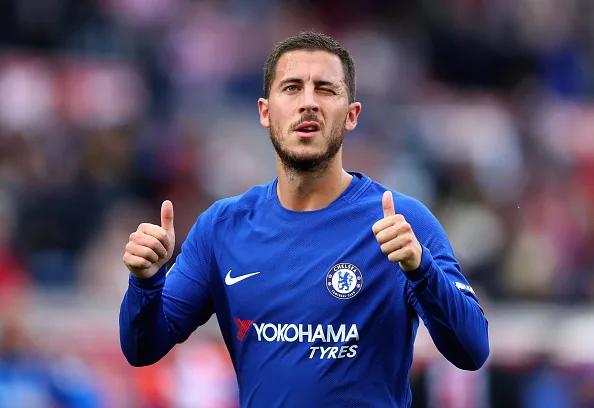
<point>353,114</point>
<point>263,109</point>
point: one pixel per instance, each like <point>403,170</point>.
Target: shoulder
<point>411,208</point>
<point>238,205</point>
<point>424,223</point>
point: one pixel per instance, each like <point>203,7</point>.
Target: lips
<point>307,127</point>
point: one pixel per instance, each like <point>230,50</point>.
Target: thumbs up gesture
<point>151,246</point>
<point>396,237</point>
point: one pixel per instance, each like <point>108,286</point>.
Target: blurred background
<point>483,110</point>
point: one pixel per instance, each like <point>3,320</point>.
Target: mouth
<point>307,129</point>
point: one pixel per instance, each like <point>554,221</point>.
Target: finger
<point>381,225</point>
<point>385,223</point>
<point>167,216</point>
<point>142,252</point>
<point>155,231</point>
<point>403,254</point>
<point>150,242</point>
<point>388,204</point>
<point>133,261</point>
<point>395,244</point>
<point>387,234</point>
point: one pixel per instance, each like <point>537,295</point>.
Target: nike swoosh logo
<point>229,280</point>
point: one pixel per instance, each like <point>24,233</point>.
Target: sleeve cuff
<point>156,281</point>
<point>424,268</point>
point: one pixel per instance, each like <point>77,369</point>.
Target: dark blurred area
<point>483,110</point>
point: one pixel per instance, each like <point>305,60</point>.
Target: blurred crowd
<point>483,110</point>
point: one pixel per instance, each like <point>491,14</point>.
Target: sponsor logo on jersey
<point>242,327</point>
<point>344,281</point>
<point>306,333</point>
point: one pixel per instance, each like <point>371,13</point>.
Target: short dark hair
<point>311,41</point>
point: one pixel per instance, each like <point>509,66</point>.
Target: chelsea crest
<point>344,281</point>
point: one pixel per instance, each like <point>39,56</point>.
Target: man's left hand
<point>396,237</point>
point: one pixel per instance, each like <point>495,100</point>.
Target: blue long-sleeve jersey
<point>312,312</point>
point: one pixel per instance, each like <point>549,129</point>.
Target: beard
<point>310,163</point>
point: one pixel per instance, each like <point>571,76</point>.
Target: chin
<point>306,153</point>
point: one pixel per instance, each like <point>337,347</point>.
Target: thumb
<point>388,204</point>
<point>167,217</point>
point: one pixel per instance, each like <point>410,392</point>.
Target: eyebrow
<point>300,81</point>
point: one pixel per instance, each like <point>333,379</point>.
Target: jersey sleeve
<point>443,299</point>
<point>163,310</point>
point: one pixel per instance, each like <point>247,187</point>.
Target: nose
<point>309,102</point>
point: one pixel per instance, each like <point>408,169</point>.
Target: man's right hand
<point>151,246</point>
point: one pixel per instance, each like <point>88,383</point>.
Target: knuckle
<point>153,244</point>
<point>381,225</point>
<point>148,253</point>
<point>390,233</point>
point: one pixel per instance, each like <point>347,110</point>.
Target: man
<point>317,278</point>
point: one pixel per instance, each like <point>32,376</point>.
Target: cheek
<point>282,112</point>
<point>276,125</point>
<point>287,113</point>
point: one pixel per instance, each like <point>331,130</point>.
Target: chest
<point>312,271</point>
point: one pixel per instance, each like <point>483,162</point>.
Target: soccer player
<point>317,278</point>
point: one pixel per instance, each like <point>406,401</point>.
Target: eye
<point>291,88</point>
<point>328,91</point>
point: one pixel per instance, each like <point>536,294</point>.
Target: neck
<point>312,190</point>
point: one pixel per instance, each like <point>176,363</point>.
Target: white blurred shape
<point>238,155</point>
<point>26,95</point>
<point>531,264</point>
<point>203,47</point>
<point>378,62</point>
<point>475,232</point>
<point>481,134</point>
<point>204,377</point>
<point>566,129</point>
<point>407,177</point>
<point>102,93</point>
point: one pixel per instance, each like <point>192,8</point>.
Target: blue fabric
<point>328,321</point>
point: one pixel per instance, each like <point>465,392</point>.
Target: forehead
<point>310,65</point>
